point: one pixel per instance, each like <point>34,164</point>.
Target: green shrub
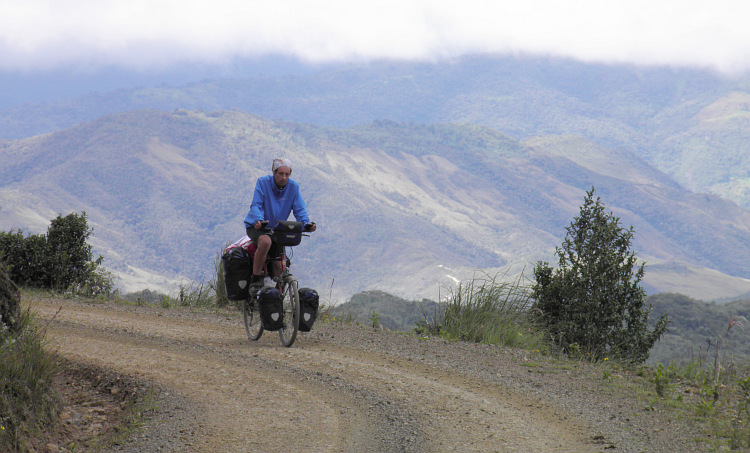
<point>594,299</point>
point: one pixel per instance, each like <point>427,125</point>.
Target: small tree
<point>24,257</point>
<point>61,260</point>
<point>67,250</point>
<point>593,300</point>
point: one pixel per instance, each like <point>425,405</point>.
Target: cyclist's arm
<point>299,209</point>
<point>256,212</point>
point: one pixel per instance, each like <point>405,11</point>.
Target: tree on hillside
<point>24,257</point>
<point>593,300</point>
<point>61,260</point>
<point>68,250</point>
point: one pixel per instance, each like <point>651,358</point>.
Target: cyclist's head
<point>281,162</point>
<point>282,169</point>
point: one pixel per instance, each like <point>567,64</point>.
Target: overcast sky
<point>154,34</point>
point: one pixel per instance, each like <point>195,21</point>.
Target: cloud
<point>153,34</point>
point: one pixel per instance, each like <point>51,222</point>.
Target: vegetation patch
<point>28,401</point>
<point>61,260</point>
<point>493,310</point>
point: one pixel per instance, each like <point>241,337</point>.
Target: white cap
<point>281,162</point>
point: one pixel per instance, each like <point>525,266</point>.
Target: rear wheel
<point>288,333</point>
<point>253,326</point>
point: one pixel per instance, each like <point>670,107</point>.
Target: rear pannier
<point>271,308</point>
<point>308,308</point>
<point>238,268</point>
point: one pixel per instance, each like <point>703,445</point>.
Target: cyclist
<point>276,196</point>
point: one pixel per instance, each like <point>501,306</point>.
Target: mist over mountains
<point>418,175</point>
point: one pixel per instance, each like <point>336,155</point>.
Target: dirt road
<point>340,388</point>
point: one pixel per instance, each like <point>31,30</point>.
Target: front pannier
<point>271,308</point>
<point>288,233</point>
<point>238,268</point>
<point>308,308</point>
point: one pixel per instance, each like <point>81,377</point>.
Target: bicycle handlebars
<point>307,228</point>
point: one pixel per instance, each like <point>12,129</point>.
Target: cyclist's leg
<point>263,243</point>
<point>277,251</point>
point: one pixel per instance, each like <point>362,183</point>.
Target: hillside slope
<point>701,332</point>
<point>689,124</point>
<point>402,208</point>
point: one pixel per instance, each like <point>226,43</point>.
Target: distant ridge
<point>403,208</point>
<point>690,124</point>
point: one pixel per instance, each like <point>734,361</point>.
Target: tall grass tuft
<point>28,400</point>
<point>196,294</point>
<point>218,285</point>
<point>493,310</point>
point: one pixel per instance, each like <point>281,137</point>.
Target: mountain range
<point>418,175</point>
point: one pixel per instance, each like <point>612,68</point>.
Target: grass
<point>714,393</point>
<point>28,400</point>
<point>200,294</point>
<point>492,310</point>
<point>218,285</point>
<point>710,392</point>
<point>716,412</point>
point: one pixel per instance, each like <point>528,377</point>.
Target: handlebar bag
<point>271,308</point>
<point>308,308</point>
<point>288,233</point>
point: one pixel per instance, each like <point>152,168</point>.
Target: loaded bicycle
<point>276,270</point>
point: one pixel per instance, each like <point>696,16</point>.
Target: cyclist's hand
<point>310,227</point>
<point>260,224</point>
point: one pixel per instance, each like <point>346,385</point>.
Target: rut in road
<point>324,394</point>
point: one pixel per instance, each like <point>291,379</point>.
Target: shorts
<point>254,234</point>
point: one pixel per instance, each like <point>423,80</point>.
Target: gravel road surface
<point>347,388</point>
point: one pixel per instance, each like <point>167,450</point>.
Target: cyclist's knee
<point>264,241</point>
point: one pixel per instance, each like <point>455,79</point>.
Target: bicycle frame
<point>283,269</point>
<point>287,286</point>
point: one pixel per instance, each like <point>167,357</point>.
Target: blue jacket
<point>274,204</point>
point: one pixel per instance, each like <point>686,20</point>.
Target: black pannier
<point>288,233</point>
<point>238,268</point>
<point>271,308</point>
<point>308,308</point>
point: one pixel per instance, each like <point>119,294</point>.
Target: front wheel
<point>288,333</point>
<point>253,326</point>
